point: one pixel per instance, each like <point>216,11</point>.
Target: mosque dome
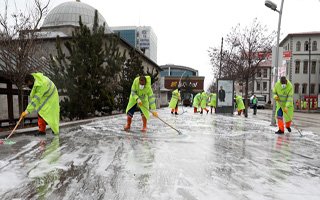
<point>68,14</point>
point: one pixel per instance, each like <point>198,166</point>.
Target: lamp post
<point>273,7</point>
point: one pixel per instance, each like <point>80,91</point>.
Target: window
<point>259,73</point>
<point>312,88</point>
<point>265,73</point>
<point>296,88</point>
<point>298,46</point>
<point>297,68</point>
<point>306,46</point>
<point>314,46</point>
<point>305,67</point>
<point>313,67</point>
<point>304,88</point>
<point>264,84</point>
<point>258,86</point>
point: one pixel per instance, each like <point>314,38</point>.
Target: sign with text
<point>173,83</point>
<point>144,39</point>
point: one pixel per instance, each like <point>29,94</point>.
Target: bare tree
<point>19,42</point>
<point>244,50</point>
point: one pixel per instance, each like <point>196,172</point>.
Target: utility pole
<point>220,57</point>
<point>309,48</point>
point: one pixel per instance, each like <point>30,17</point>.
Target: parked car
<point>261,101</point>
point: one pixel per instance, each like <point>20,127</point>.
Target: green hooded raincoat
<point>240,104</point>
<point>45,100</point>
<point>204,99</point>
<point>285,99</point>
<point>197,100</point>
<point>174,99</point>
<point>145,95</point>
<point>213,100</point>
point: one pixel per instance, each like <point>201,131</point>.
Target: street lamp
<point>273,7</point>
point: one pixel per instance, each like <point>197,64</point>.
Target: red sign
<point>286,55</point>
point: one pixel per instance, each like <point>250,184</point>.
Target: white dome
<point>68,14</point>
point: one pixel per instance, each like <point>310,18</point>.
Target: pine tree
<point>87,72</point>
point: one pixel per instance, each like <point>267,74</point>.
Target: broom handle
<point>179,132</point>
<point>15,127</point>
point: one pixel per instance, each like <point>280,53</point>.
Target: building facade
<point>303,69</point>
<point>61,21</point>
<point>174,76</point>
<point>259,84</point>
<point>140,37</point>
<point>262,81</point>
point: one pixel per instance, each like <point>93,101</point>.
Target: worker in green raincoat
<point>196,102</point>
<point>44,100</point>
<point>204,101</point>
<point>283,94</point>
<point>176,97</point>
<point>141,96</point>
<point>240,104</point>
<point>213,101</point>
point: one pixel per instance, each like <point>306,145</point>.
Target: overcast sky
<point>187,28</point>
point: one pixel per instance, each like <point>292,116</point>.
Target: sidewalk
<point>303,120</point>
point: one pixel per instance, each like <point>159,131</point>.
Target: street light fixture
<point>273,7</point>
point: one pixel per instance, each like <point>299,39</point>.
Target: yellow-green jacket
<point>145,95</point>
<point>196,100</point>
<point>174,99</point>
<point>285,99</point>
<point>45,100</point>
<point>213,100</point>
<point>240,104</point>
<point>204,99</point>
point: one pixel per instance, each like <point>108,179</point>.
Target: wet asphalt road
<point>216,157</point>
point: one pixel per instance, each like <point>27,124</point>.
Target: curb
<point>33,130</point>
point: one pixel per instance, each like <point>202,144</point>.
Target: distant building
<point>174,76</point>
<point>140,37</point>
<point>304,63</point>
<point>260,83</point>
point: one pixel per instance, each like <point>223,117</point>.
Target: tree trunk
<point>246,103</point>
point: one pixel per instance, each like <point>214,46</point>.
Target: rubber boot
<point>42,127</point>
<point>195,109</point>
<point>176,111</point>
<point>281,126</point>
<point>128,125</point>
<point>288,124</point>
<point>144,121</point>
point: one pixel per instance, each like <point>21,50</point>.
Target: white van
<point>261,101</point>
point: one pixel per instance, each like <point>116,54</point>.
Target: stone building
<point>61,21</point>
